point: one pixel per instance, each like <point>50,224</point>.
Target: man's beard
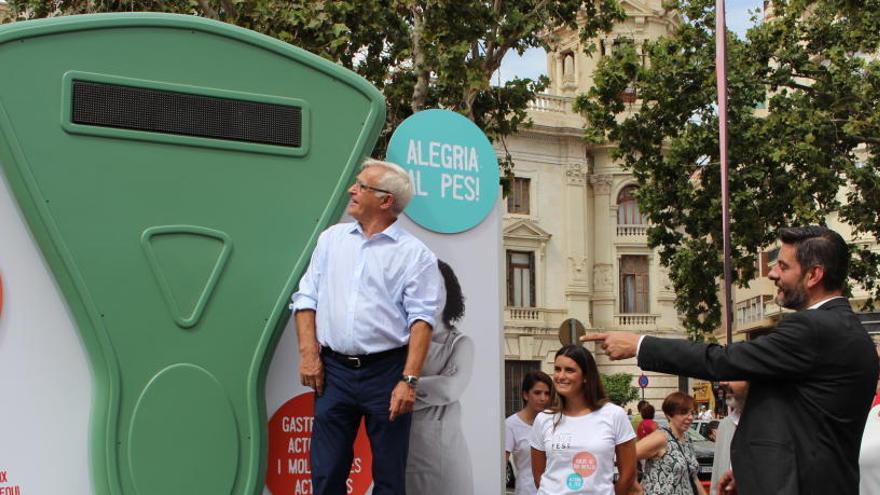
<point>793,297</point>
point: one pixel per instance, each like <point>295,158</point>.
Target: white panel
<point>45,382</point>
<point>475,256</point>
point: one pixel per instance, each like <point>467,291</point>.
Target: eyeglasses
<point>364,187</point>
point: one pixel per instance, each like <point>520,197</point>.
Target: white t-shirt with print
<point>580,450</point>
<point>869,459</point>
<point>517,434</point>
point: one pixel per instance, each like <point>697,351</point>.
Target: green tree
<point>419,53</point>
<point>807,65</point>
<point>619,388</point>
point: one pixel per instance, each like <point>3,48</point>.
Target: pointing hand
<point>618,345</point>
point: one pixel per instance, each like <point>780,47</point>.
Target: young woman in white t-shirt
<point>576,447</point>
<point>537,389</point>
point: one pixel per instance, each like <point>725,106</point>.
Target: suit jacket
<point>811,383</point>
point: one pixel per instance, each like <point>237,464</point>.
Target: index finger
<point>593,337</point>
<point>394,409</point>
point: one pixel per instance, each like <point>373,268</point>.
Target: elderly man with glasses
<point>364,315</point>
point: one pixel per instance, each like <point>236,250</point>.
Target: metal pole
<point>572,331</point>
<point>721,78</point>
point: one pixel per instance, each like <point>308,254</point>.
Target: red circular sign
<point>290,435</point>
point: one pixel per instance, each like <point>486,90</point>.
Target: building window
<point>514,371</point>
<point>772,256</point>
<point>634,284</point>
<point>683,385</point>
<point>520,279</point>
<point>765,261</point>
<point>518,199</point>
<point>628,208</point>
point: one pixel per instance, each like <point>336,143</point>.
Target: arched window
<point>628,209</point>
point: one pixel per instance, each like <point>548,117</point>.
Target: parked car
<point>701,426</point>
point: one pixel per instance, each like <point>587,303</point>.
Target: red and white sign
<point>6,486</point>
<point>290,435</point>
<point>44,374</point>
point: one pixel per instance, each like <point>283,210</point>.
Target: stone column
<point>603,241</point>
<point>577,296</point>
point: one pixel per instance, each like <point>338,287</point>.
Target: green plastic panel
<point>176,254</point>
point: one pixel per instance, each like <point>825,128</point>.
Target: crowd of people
<point>546,455</point>
<point>568,438</point>
<point>389,354</point>
<point>809,383</point>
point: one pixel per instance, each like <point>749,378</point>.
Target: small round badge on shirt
<point>584,464</point>
<point>575,481</point>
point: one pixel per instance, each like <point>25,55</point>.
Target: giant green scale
<point>176,173</point>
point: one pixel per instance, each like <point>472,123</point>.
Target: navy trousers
<point>349,395</point>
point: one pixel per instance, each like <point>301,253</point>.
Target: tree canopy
<point>419,53</point>
<point>619,388</point>
<point>804,129</point>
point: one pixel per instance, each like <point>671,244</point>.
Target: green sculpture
<point>176,173</point>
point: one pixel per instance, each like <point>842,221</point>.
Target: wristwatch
<point>410,380</point>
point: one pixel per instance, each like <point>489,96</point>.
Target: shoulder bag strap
<point>691,475</point>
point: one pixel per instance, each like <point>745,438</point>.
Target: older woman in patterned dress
<point>671,464</point>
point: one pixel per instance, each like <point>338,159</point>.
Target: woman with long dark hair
<point>439,462</point>
<point>576,446</point>
<point>537,391</point>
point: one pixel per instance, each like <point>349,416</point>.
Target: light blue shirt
<point>367,293</point>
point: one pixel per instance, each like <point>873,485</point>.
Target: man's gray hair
<point>395,180</point>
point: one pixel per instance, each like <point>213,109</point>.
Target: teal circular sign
<point>453,168</point>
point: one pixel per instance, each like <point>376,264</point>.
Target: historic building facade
<point>574,237</point>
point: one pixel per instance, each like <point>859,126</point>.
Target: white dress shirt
<point>368,292</point>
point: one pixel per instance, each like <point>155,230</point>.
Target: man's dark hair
<point>453,310</point>
<point>648,412</point>
<point>820,246</point>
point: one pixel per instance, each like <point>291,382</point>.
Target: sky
<point>533,63</point>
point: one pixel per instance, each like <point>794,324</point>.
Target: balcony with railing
<point>524,314</point>
<point>533,317</point>
<point>550,103</point>
<point>636,321</point>
<point>631,231</point>
<point>755,311</point>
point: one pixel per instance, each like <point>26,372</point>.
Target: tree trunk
<point>208,10</point>
<point>420,91</point>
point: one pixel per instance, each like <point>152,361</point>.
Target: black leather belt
<point>361,360</point>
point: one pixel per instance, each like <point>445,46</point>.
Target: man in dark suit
<point>811,378</point>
